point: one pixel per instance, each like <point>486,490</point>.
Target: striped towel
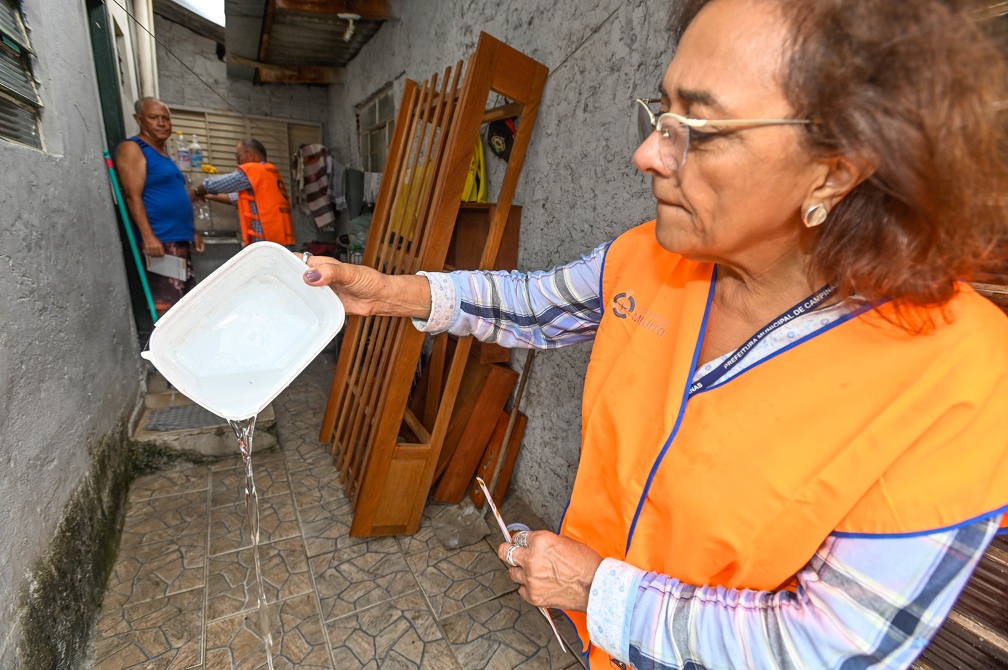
<point>310,162</point>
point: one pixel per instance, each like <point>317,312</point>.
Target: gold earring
<point>815,215</point>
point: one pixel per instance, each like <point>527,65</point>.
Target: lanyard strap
<point>803,307</point>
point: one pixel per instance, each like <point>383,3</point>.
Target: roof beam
<point>367,9</point>
<point>291,74</point>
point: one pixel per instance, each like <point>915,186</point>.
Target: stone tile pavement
<point>183,590</point>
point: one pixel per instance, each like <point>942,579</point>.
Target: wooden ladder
<point>387,455</point>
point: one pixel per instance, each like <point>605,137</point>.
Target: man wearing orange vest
<point>259,192</point>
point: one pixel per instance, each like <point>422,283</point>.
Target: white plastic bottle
<point>195,154</point>
<point>182,154</point>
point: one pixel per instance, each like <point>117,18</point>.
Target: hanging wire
<point>599,27</point>
<point>191,71</point>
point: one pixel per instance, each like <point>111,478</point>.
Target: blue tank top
<point>165,198</point>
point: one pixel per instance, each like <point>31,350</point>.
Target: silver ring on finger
<point>521,538</point>
<point>508,558</point>
<point>305,256</point>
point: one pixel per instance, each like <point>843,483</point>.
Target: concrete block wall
<point>578,188</point>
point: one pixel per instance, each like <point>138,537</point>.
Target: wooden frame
<point>385,454</point>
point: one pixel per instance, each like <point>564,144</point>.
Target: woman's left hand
<point>553,571</point>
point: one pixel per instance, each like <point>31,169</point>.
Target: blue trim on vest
<point>815,333</point>
<point>584,653</point>
<point>682,411</point>
<point>920,533</point>
<point>563,516</point>
<point>601,275</point>
<point>602,312</point>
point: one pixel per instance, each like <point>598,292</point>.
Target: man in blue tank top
<point>158,202</point>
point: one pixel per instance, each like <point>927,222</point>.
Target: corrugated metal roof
<point>296,34</point>
<point>298,38</point>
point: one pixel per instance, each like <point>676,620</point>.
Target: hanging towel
<point>316,183</point>
<point>372,184</point>
<point>337,184</point>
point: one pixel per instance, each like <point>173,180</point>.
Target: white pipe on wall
<point>143,12</point>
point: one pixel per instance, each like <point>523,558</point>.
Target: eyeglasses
<point>675,130</point>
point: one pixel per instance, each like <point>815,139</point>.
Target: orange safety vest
<point>269,193</point>
<point>860,428</point>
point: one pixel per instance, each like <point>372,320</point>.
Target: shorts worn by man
<point>159,205</point>
<point>259,192</point>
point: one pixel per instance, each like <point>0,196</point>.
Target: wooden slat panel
<point>414,218</point>
<point>493,453</point>
<point>976,633</point>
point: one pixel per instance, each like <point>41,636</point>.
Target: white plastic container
<point>195,154</point>
<point>182,154</point>
<point>245,332</point>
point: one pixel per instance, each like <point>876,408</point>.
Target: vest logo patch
<point>625,307</point>
<point>617,664</point>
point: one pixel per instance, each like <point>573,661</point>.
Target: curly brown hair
<point>912,88</point>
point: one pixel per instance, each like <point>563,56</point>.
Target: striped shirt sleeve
<point>233,182</point>
<point>542,310</point>
<point>861,602</point>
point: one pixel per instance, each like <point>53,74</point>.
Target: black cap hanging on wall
<point>500,137</point>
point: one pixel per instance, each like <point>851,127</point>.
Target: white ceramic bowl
<point>243,334</point>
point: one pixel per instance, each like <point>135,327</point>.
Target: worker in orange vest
<point>259,192</point>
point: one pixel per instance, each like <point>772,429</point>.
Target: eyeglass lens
<point>673,139</point>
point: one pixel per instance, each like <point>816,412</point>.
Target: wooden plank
<point>365,9</point>
<point>474,376</point>
<point>492,453</point>
<point>503,112</point>
<point>418,428</point>
<point>264,36</point>
<point>454,483</point>
<point>271,73</point>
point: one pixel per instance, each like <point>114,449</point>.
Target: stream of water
<point>243,430</point>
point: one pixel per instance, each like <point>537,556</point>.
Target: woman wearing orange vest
<point>259,192</point>
<point>793,450</point>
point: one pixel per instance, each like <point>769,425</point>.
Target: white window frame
<point>375,120</point>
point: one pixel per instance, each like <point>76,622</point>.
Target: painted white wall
<point>124,31</point>
<point>578,188</point>
<point>69,364</point>
<point>143,26</point>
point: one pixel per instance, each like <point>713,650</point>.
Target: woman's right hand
<point>365,291</point>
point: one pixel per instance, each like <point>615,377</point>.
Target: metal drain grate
<point>182,417</point>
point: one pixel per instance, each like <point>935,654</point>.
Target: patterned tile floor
<point>183,590</point>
